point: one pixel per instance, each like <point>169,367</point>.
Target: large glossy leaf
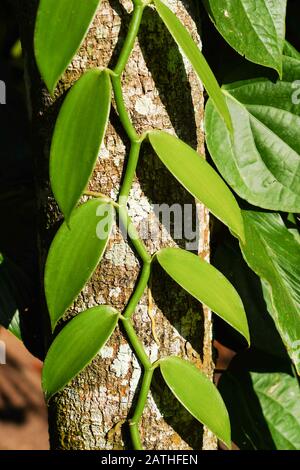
<point>194,55</point>
<point>76,345</point>
<point>74,254</point>
<point>261,163</point>
<point>198,395</point>
<point>263,403</point>
<point>274,254</point>
<point>60,29</point>
<point>206,284</point>
<point>256,29</point>
<point>199,178</point>
<point>77,138</point>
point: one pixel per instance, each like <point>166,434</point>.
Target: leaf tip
<point>53,323</point>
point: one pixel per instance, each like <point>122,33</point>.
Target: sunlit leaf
<point>77,138</point>
<point>256,29</point>
<point>76,345</point>
<point>261,161</point>
<point>199,178</point>
<point>198,395</point>
<point>60,28</point>
<point>206,284</point>
<point>74,254</point>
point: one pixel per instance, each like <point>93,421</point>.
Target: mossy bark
<point>162,92</point>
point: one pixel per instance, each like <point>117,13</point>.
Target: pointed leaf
<point>76,345</point>
<point>206,284</point>
<point>77,138</point>
<point>183,39</point>
<point>59,31</point>
<point>274,254</point>
<point>199,178</point>
<point>261,160</point>
<point>198,395</point>
<point>74,254</point>
<point>256,29</point>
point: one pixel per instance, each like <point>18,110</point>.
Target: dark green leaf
<point>199,178</point>
<point>77,138</point>
<point>256,29</point>
<point>198,395</point>
<point>60,29</point>
<point>264,335</point>
<point>76,345</point>
<point>182,37</point>
<point>263,403</point>
<point>261,163</point>
<point>290,51</point>
<point>74,254</point>
<point>206,284</point>
<point>273,253</point>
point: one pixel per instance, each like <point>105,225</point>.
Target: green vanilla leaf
<point>189,48</point>
<point>199,178</point>
<point>59,31</point>
<point>261,161</point>
<point>206,284</point>
<point>198,395</point>
<point>273,253</point>
<point>77,138</point>
<point>76,345</point>
<point>254,29</point>
<point>75,253</point>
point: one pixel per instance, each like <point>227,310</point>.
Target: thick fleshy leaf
<point>74,254</point>
<point>261,161</point>
<point>199,178</point>
<point>206,284</point>
<point>60,29</point>
<point>76,345</point>
<point>184,40</point>
<point>77,138</point>
<point>198,395</point>
<point>273,253</point>
<point>256,29</point>
<point>263,403</point>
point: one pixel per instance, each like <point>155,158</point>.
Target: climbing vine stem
<point>134,422</point>
<point>125,221</point>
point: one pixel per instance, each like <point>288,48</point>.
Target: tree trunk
<point>161,92</point>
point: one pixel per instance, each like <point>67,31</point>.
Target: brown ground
<point>23,415</point>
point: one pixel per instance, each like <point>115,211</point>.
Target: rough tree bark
<point>162,92</point>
